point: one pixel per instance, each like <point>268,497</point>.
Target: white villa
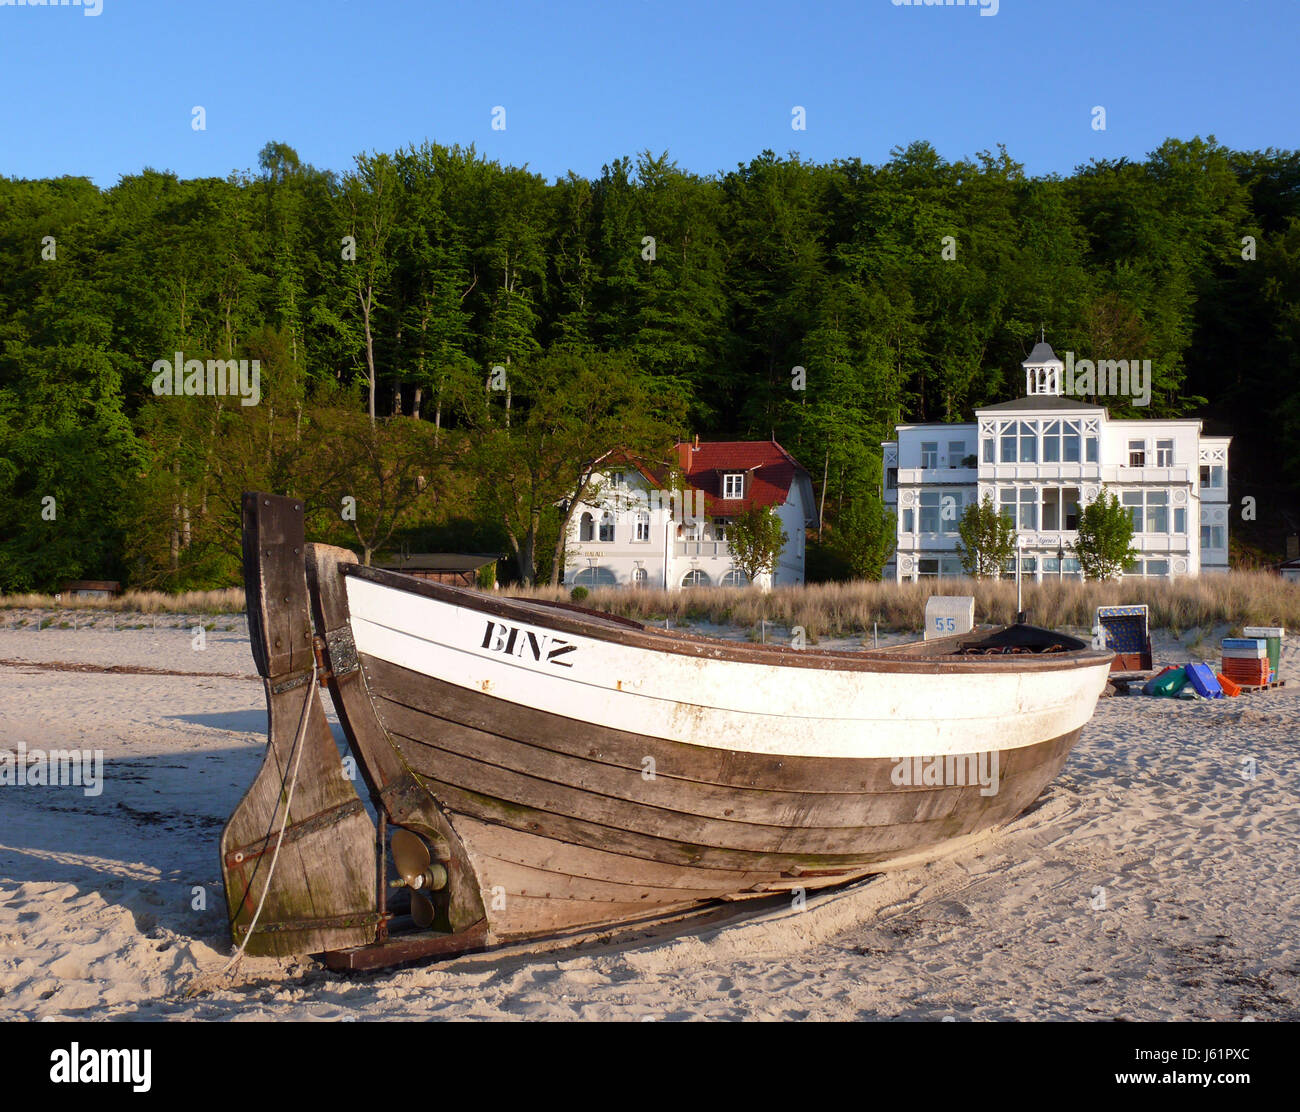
<point>644,529</point>
<point>1041,458</point>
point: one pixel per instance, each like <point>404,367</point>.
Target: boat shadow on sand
<point>143,842</point>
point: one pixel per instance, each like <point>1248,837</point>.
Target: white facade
<point>635,534</point>
<point>1041,458</point>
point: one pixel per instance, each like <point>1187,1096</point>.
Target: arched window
<point>595,577</point>
<point>607,526</point>
<point>586,528</point>
<point>735,578</point>
<point>640,578</point>
<point>695,578</point>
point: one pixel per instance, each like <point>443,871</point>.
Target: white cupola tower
<point>1042,370</point>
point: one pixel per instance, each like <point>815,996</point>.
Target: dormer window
<point>733,485</point>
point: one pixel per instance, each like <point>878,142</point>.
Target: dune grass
<point>849,609</point>
<point>845,609</point>
<point>227,601</point>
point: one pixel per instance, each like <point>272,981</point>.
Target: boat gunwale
<point>624,631</point>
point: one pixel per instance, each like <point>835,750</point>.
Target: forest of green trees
<point>647,303</point>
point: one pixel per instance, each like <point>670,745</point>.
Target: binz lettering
<point>512,641</point>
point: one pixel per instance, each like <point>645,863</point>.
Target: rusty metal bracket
<point>291,683</point>
<point>342,649</point>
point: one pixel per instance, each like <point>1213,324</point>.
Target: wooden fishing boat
<point>542,768</point>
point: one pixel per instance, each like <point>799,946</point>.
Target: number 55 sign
<point>946,615</point>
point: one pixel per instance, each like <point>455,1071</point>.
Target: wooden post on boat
<point>298,854</point>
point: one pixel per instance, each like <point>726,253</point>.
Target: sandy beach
<point>1157,878</point>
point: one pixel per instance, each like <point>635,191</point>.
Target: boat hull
<point>555,746</point>
<point>565,826</point>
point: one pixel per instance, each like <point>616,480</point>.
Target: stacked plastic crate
<point>1272,635</point>
<point>1245,661</point>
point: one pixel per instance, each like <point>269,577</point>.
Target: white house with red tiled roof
<point>666,525</point>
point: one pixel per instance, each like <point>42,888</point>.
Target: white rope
<point>293,783</point>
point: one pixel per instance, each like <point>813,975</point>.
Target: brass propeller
<point>419,872</point>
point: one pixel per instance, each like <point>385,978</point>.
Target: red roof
<point>768,468</point>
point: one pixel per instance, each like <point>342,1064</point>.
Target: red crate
<point>1245,672</point>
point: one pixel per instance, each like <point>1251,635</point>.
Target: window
<point>617,479</point>
<point>1028,443</point>
<point>735,578</point>
<point>1070,500</point>
<point>1052,442</point>
<point>1132,499</point>
<point>950,511</point>
<point>642,525</point>
<point>1091,443</point>
<point>695,578</point>
<point>1150,567</point>
<point>956,453</point>
<point>1157,511</point>
<point>1137,453</point>
<point>733,485</point>
<point>1070,442</point>
<point>607,526</point>
<point>930,511</point>
<point>927,569</point>
<point>988,448</point>
<point>907,521</point>
<point>1180,521</point>
<point>1051,505</point>
<point>1150,511</point>
<point>719,528</point>
<point>1061,441</point>
<point>1214,536</point>
<point>1008,454</point>
<point>1028,509</point>
<point>639,577</point>
<point>1007,503</point>
<point>929,453</point>
<point>951,565</point>
<point>1212,476</point>
<point>891,478</point>
<point>1019,507</point>
<point>595,577</point>
<point>1164,453</point>
<point>586,527</point>
<point>1060,508</point>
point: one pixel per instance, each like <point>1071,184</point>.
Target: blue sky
<point>584,81</point>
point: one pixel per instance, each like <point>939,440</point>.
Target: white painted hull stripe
<point>723,704</point>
